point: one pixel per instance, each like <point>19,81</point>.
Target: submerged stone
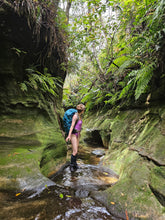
<point>98,153</point>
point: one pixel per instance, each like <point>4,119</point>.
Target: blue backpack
<point>67,119</point>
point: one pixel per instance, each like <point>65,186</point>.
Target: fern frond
<point>113,99</point>
<point>126,89</point>
<point>138,80</point>
<point>23,87</point>
<point>44,83</point>
<point>143,78</point>
<point>129,63</point>
<point>159,11</point>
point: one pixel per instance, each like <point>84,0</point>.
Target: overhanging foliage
<point>41,14</point>
<point>119,47</point>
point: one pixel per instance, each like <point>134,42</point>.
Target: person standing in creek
<point>74,135</point>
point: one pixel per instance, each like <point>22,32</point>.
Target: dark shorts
<point>76,132</point>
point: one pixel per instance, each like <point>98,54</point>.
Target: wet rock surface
<point>86,179</point>
<point>64,195</point>
<point>98,153</point>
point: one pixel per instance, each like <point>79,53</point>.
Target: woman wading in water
<point>74,135</point>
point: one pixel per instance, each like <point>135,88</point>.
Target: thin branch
<point>116,65</point>
<point>69,2</point>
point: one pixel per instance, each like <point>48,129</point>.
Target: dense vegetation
<point>37,47</point>
<point>115,50</point>
<point>115,53</point>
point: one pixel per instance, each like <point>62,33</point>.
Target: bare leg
<point>75,142</point>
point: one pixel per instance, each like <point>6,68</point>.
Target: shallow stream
<point>69,197</point>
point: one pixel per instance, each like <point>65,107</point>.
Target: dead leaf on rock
<point>17,194</point>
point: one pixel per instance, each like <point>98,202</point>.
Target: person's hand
<point>68,139</point>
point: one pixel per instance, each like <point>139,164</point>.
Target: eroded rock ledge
<point>137,154</point>
<point>142,153</point>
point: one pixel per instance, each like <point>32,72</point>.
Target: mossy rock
<point>132,193</point>
<point>157,183</point>
<point>25,142</point>
<point>136,147</point>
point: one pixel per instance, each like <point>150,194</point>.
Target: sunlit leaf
<point>61,196</point>
<point>105,173</point>
<point>68,196</point>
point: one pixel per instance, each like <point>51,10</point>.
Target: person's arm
<point>74,119</point>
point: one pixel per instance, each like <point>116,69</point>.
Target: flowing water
<point>68,196</point>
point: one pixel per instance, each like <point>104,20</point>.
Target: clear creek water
<point>67,197</point>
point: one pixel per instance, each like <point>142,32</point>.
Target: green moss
<point>149,131</point>
<point>106,124</point>
<point>157,180</point>
<point>26,139</point>
<point>135,135</point>
<point>18,163</point>
<point>52,166</point>
<point>132,191</point>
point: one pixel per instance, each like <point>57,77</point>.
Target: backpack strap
<point>77,119</point>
